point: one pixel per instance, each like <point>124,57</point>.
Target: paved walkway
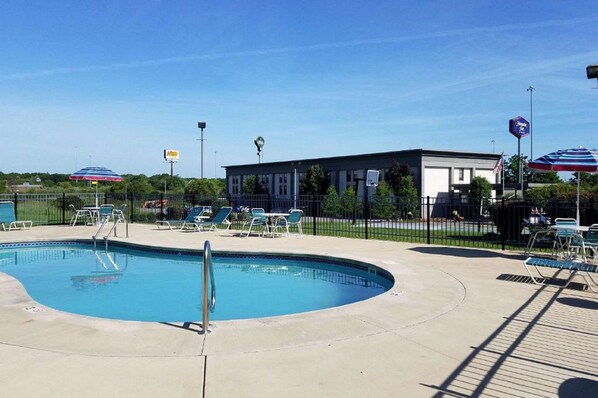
<point>461,321</point>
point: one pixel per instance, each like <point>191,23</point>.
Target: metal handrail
<point>112,262</point>
<point>208,305</point>
<point>114,224</point>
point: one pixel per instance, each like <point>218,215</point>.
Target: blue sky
<point>114,83</point>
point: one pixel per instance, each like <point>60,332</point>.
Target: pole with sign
<point>171,156</point>
<point>519,127</point>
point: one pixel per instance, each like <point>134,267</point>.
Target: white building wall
<point>466,175</point>
<point>436,186</point>
<point>436,181</point>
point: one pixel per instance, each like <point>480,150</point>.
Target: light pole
<point>215,167</point>
<point>295,183</point>
<point>492,145</point>
<point>201,125</point>
<point>259,143</point>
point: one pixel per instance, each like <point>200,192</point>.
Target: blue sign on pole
<point>519,127</point>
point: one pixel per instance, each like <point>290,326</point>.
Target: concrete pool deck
<point>459,322</point>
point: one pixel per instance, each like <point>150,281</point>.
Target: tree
<point>546,178</point>
<point>541,196</point>
<point>395,174</point>
<point>174,184</point>
<point>252,186</point>
<point>138,184</point>
<point>314,181</point>
<point>331,205</point>
<point>480,191</point>
<point>382,206</point>
<point>512,170</point>
<point>348,200</point>
<point>588,180</point>
<point>407,197</point>
<point>204,187</point>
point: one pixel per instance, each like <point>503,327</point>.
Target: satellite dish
<point>259,142</point>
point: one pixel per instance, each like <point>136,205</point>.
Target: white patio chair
<point>86,215</point>
<point>254,219</point>
<point>293,219</point>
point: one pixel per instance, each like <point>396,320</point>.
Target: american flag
<point>499,165</point>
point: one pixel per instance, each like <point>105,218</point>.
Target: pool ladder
<point>208,304</point>
<point>103,223</point>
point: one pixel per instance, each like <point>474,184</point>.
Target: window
<point>283,185</point>
<point>264,180</point>
<point>352,179</point>
<point>235,185</point>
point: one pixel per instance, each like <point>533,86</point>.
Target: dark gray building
<point>436,173</point>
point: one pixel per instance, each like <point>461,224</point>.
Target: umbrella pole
<point>578,178</point>
<point>97,194</point>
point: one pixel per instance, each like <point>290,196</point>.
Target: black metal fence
<point>460,222</point>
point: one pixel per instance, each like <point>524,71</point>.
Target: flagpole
<point>502,177</point>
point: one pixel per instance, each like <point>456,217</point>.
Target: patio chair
<point>256,218</point>
<point>119,213</point>
<point>567,238</point>
<point>221,218</point>
<point>105,213</point>
<point>293,219</point>
<point>85,214</point>
<point>178,224</point>
<point>591,242</point>
<point>7,216</point>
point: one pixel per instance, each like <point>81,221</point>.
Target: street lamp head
<point>531,88</point>
<point>592,71</point>
<point>201,125</point>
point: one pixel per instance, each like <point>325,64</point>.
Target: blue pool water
<point>166,286</point>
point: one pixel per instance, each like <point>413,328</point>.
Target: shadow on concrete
<point>466,253</point>
<point>580,303</point>
<point>546,347</point>
<point>550,281</point>
<point>578,387</point>
<point>190,326</point>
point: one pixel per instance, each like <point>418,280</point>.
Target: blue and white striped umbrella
<point>576,160</point>
<point>580,160</point>
<point>96,174</point>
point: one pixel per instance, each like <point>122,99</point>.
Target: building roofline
<point>421,152</point>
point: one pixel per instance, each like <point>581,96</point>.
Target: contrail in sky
<point>307,48</point>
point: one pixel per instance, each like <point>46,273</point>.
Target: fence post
<point>480,215</point>
<point>366,211</point>
<point>132,217</point>
<point>313,212</point>
<point>16,201</point>
<point>504,222</point>
<point>428,219</point>
<point>161,205</point>
<point>64,208</point>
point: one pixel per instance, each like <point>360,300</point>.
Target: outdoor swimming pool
<point>165,285</point>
